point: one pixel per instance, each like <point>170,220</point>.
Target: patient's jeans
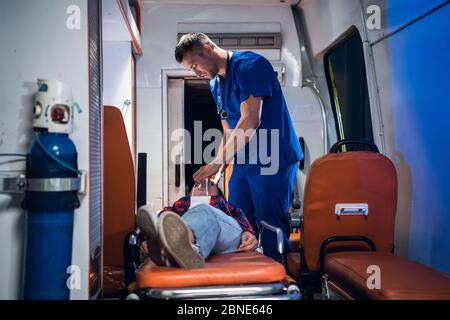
<point>214,231</point>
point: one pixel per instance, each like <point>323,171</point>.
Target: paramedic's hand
<point>248,242</point>
<point>206,172</point>
<point>219,174</point>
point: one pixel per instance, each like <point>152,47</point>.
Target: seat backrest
<point>119,195</point>
<point>349,178</point>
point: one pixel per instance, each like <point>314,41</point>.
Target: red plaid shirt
<point>182,205</point>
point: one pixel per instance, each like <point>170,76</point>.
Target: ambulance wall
<point>412,68</point>
<point>36,43</point>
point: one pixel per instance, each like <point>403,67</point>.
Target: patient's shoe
<point>147,221</point>
<point>174,236</point>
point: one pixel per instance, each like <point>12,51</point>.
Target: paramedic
<point>249,98</point>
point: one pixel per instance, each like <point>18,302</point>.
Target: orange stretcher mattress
<point>230,269</point>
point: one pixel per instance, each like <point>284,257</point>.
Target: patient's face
<point>200,189</point>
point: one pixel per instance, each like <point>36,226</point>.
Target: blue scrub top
<point>251,74</point>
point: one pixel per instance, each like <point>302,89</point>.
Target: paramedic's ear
<point>207,50</point>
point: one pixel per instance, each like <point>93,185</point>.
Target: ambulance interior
<point>365,85</point>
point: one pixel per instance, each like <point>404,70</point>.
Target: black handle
<point>177,171</point>
<point>338,145</point>
<point>301,165</point>
<point>141,197</point>
<point>132,256</point>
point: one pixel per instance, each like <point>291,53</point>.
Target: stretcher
<point>243,275</point>
<point>247,275</point>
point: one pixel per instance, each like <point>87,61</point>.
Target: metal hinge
<point>13,184</point>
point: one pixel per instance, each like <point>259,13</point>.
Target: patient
<point>186,233</point>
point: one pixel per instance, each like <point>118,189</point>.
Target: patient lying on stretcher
<point>186,233</point>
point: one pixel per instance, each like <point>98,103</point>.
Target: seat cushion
<point>400,279</point>
<point>229,269</point>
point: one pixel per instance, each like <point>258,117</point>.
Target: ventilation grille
<point>95,149</point>
<point>245,40</point>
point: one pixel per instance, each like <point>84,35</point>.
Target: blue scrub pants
<point>266,198</point>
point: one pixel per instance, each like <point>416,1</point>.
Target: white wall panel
<point>117,81</point>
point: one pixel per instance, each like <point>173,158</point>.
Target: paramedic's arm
<point>225,128</point>
<point>248,123</point>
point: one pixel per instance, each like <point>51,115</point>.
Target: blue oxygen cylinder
<point>52,160</point>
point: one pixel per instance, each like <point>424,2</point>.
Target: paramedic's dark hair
<point>191,42</point>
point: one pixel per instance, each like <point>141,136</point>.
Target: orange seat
<point>118,206</point>
<point>352,177</point>
<point>350,205</point>
<point>400,279</point>
<point>230,269</point>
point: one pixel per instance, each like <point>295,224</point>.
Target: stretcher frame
<point>268,291</point>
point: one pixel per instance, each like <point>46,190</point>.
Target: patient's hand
<point>248,242</point>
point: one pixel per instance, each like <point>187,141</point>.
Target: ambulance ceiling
<point>225,2</point>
